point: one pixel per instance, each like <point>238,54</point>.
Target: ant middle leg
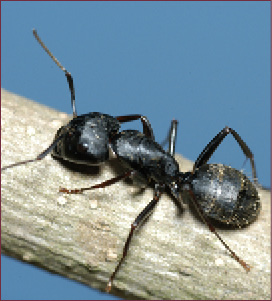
<point>171,137</point>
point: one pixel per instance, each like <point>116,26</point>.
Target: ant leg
<point>39,157</point>
<point>147,129</point>
<point>212,229</point>
<point>214,143</point>
<point>67,74</point>
<point>101,185</point>
<point>171,137</point>
<point>140,218</point>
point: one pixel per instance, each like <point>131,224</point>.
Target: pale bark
<point>173,256</point>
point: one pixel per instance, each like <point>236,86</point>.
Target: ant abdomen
<point>226,195</point>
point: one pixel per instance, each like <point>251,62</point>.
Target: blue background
<point>206,64</point>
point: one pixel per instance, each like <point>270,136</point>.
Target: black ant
<point>218,192</point>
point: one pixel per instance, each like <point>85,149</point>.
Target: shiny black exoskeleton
<point>225,194</point>
<point>218,192</point>
<point>86,138</point>
<point>146,156</point>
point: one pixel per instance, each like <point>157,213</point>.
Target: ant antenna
<point>67,74</point>
<point>39,157</point>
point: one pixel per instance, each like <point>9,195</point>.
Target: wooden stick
<point>172,256</point>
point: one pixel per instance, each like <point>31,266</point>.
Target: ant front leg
<point>172,137</point>
<point>147,129</point>
<point>139,219</point>
<point>214,143</point>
